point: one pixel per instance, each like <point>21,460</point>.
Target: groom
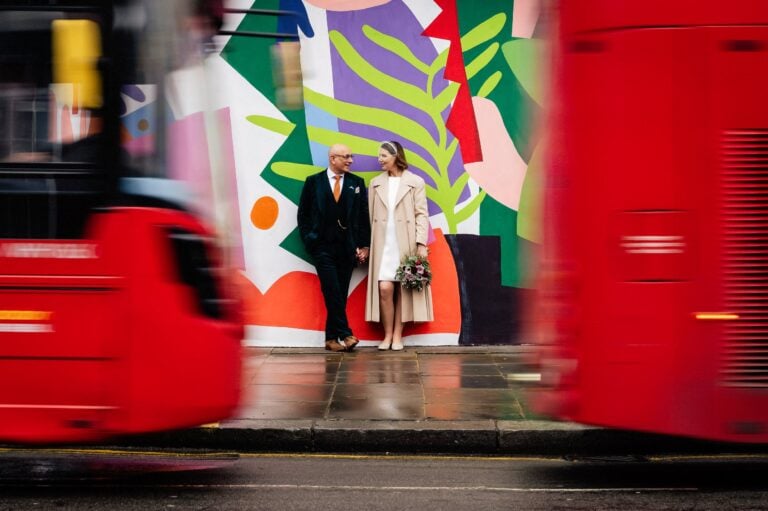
<point>336,231</point>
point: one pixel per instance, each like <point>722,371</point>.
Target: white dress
<point>390,258</point>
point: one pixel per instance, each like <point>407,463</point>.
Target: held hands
<point>361,254</point>
<point>421,251</point>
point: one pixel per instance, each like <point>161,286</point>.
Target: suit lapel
<point>324,189</point>
<point>348,193</point>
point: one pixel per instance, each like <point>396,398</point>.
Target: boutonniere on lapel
<point>357,189</point>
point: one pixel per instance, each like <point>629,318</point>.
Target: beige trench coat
<point>412,224</point>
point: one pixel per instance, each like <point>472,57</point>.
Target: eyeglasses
<point>344,156</point>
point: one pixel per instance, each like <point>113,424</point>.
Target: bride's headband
<point>389,146</point>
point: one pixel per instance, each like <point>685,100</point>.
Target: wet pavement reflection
<point>451,383</point>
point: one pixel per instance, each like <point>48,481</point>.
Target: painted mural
<point>455,82</point>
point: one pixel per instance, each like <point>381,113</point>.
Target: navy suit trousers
<point>334,268</point>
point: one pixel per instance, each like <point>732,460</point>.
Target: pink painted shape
<point>141,146</point>
<point>188,160</point>
<point>346,5</point>
<point>229,175</point>
<point>524,17</point>
<point>502,171</point>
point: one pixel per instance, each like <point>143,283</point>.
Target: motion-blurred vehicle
<point>118,313</point>
<point>653,309</point>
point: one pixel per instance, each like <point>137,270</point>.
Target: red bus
<point>117,315</point>
<point>653,311</point>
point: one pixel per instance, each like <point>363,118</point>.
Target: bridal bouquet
<point>414,273</point>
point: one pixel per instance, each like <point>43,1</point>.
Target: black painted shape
<point>491,314</point>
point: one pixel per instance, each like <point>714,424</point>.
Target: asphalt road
<point>116,481</point>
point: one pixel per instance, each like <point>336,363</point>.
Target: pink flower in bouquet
<point>414,273</point>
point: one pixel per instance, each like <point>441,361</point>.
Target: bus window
<point>40,120</point>
<point>76,52</point>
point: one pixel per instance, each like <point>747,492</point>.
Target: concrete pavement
<point>420,400</point>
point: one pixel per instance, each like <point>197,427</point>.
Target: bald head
<point>339,158</point>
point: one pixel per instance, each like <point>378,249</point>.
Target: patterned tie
<point>337,188</point>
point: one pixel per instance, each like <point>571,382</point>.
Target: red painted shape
<point>296,301</point>
<point>461,120</point>
<point>445,298</point>
<point>293,301</point>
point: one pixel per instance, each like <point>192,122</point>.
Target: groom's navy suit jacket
<point>319,214</point>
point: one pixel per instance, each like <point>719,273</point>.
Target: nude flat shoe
<point>385,345</point>
<point>397,346</point>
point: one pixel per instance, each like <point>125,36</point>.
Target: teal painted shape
<point>293,244</point>
<point>250,56</point>
<point>498,220</point>
<point>515,105</point>
<point>498,82</point>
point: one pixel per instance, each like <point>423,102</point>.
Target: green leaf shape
<point>366,146</point>
<point>367,175</point>
<point>356,144</point>
<point>468,210</point>
<point>272,124</point>
<point>444,158</point>
<point>524,57</point>
<point>489,84</point>
<point>297,171</point>
<point>441,192</point>
<point>529,211</point>
<point>396,46</point>
<point>439,63</point>
<point>371,116</point>
<point>482,60</point>
<point>398,89</point>
<point>444,99</point>
<point>457,187</point>
<point>483,32</point>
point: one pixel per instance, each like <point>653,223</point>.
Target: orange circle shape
<point>264,213</point>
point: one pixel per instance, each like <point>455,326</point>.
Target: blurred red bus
<point>117,315</point>
<point>653,311</point>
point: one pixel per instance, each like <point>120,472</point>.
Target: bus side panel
<point>586,15</point>
<point>179,367</point>
<point>632,128</point>
<point>54,400</point>
<point>739,74</point>
<point>60,322</point>
<point>663,232</point>
<point>111,341</point>
<point>638,290</point>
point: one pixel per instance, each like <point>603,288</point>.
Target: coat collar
<point>381,184</point>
